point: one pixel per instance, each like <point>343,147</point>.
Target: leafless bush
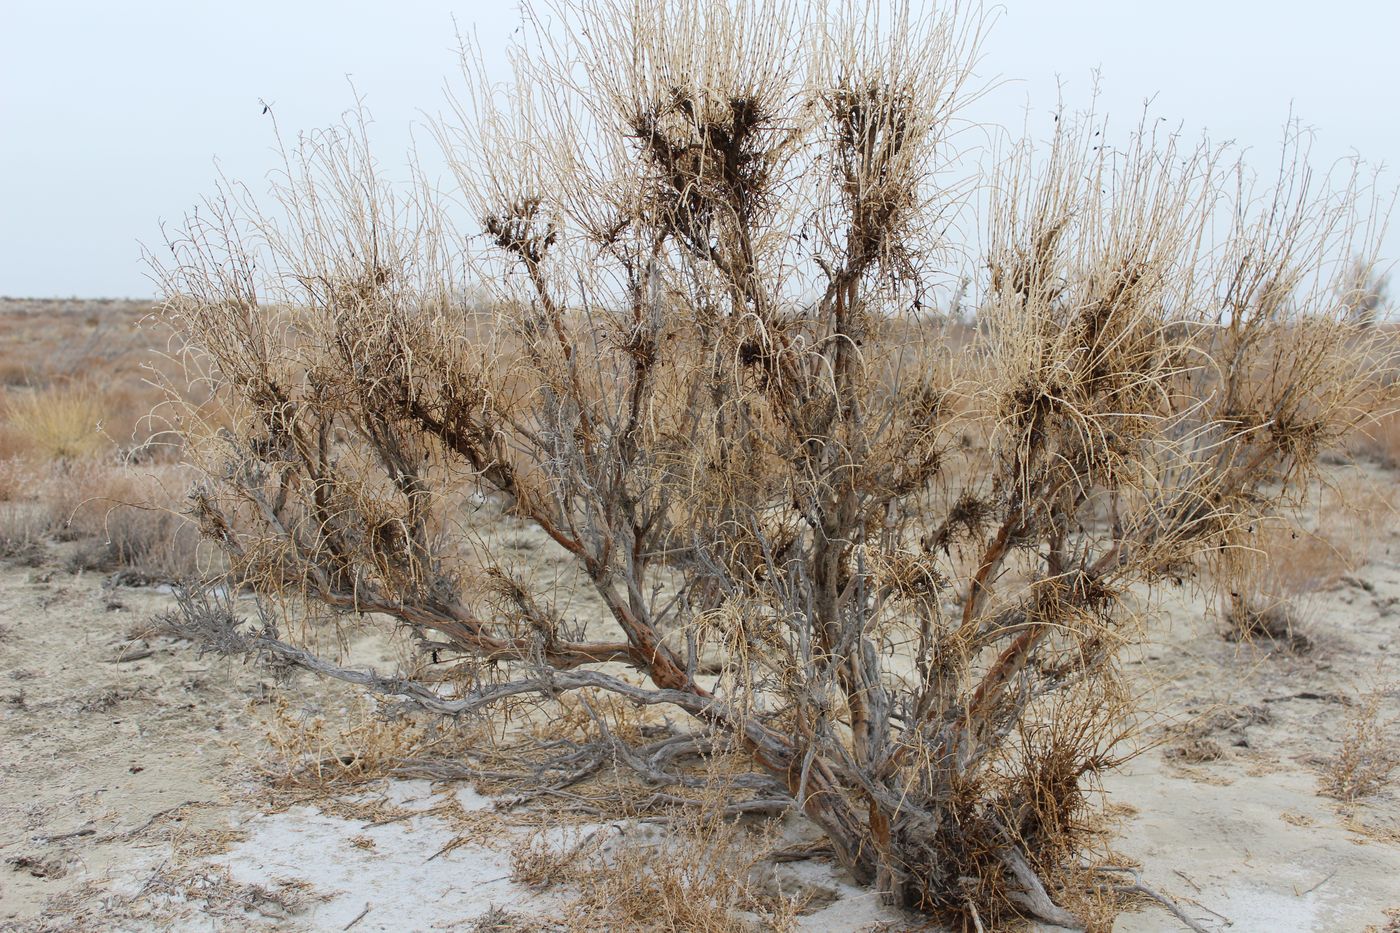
<point>22,532</point>
<point>1367,755</point>
<point>1268,587</point>
<point>893,572</point>
<point>498,920</point>
<point>207,616</point>
<point>1270,579</point>
<point>124,519</point>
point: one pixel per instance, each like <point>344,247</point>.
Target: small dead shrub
<point>500,920</point>
<point>1369,752</point>
<point>1274,619</point>
<point>23,529</point>
<point>1195,751</point>
<point>1274,569</point>
<point>1271,578</point>
<point>312,753</point>
<point>122,519</point>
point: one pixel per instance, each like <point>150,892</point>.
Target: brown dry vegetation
<point>1367,755</point>
<point>703,874</point>
<point>888,561</point>
<point>1271,576</point>
<point>89,477</point>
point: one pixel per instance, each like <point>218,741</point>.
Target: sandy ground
<point>133,792</point>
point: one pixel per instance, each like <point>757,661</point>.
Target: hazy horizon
<point>114,117</point>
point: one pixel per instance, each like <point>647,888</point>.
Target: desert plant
<point>124,520</point>
<point>59,422</point>
<point>22,531</point>
<point>1366,755</point>
<point>1269,580</point>
<point>894,573</point>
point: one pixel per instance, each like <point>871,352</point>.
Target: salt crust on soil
<point>405,892</point>
<point>395,880</point>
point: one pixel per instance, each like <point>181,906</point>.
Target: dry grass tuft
<point>23,532</point>
<point>1369,753</point>
<point>1195,751</point>
<point>1274,619</point>
<point>62,422</point>
<point>309,753</point>
<point>499,920</point>
<point>705,874</point>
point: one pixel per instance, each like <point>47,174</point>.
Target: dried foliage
<point>60,422</point>
<point>706,874</point>
<point>689,342</point>
<point>1269,581</point>
<point>309,754</point>
<point>1367,756</point>
<point>1380,440</point>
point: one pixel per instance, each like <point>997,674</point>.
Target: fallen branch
<point>1139,887</point>
<point>358,917</point>
<point>85,831</point>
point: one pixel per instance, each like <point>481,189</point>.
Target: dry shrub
<point>122,518</point>
<point>498,920</point>
<point>1258,609</point>
<point>1369,752</point>
<point>311,753</point>
<point>23,532</point>
<point>886,556</point>
<point>1269,581</point>
<point>60,422</point>
<point>154,542</point>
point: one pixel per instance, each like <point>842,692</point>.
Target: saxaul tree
<point>688,334</point>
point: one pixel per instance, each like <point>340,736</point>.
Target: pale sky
<point>112,114</point>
